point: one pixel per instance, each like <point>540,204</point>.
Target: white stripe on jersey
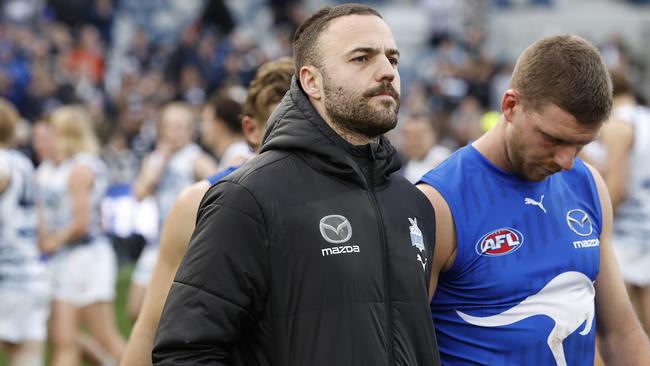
<point>19,255</point>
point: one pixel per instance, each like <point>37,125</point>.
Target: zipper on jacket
<point>384,256</point>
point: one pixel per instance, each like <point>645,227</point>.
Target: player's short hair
<point>621,83</point>
<point>228,110</point>
<point>271,82</point>
<point>73,125</point>
<point>305,40</point>
<point>8,120</point>
<point>568,71</point>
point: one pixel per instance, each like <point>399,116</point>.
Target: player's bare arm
<point>617,138</point>
<point>445,250</point>
<point>152,169</point>
<point>176,233</point>
<point>622,340</point>
<point>5,175</point>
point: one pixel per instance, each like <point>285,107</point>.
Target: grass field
<point>123,322</point>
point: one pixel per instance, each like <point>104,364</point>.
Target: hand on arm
<point>151,171</point>
<point>80,186</point>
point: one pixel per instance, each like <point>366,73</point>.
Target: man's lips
<point>386,90</point>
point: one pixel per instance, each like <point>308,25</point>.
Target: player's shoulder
<point>16,158</point>
<point>87,162</point>
<point>194,193</point>
<point>591,173</point>
<point>190,198</point>
<point>81,170</point>
<point>248,186</point>
<point>580,172</point>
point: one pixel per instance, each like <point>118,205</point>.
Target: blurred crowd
<point>123,60</point>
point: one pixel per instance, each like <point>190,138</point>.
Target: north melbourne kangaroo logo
<point>568,299</point>
<point>417,240</point>
<point>530,201</point>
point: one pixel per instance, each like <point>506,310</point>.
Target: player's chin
<point>539,173</point>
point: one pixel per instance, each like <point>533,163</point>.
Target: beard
<point>354,114</point>
<point>522,166</point>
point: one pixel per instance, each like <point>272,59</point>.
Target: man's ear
<point>510,103</point>
<point>311,81</point>
<point>252,132</point>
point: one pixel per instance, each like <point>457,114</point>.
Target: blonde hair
<point>74,127</point>
<point>8,120</point>
<point>271,82</point>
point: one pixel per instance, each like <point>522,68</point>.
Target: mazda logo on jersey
<point>499,242</point>
<point>335,229</point>
<point>579,222</point>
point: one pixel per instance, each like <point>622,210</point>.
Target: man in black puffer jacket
<point>316,252</point>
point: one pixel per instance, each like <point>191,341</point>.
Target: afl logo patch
<point>499,242</point>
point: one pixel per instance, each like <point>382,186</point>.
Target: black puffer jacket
<point>314,253</point>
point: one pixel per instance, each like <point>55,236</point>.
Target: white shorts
<point>144,266</point>
<point>634,261</point>
<point>24,313</point>
<point>85,274</point>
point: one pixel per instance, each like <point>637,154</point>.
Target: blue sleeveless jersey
<point>213,179</point>
<point>520,291</point>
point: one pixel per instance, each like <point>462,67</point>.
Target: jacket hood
<point>297,127</point>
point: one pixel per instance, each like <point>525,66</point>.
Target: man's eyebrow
<point>563,140</point>
<point>374,51</point>
<point>370,50</point>
<point>393,52</point>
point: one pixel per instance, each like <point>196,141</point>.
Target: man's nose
<point>386,70</point>
<point>565,156</point>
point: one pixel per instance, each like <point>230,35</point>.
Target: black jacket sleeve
<point>221,286</point>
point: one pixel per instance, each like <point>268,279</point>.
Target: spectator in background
<point>191,86</point>
<point>71,12</point>
<point>216,14</point>
<point>101,14</point>
<point>420,146</point>
<point>86,59</point>
<point>41,143</point>
<point>15,74</point>
<point>465,121</point>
